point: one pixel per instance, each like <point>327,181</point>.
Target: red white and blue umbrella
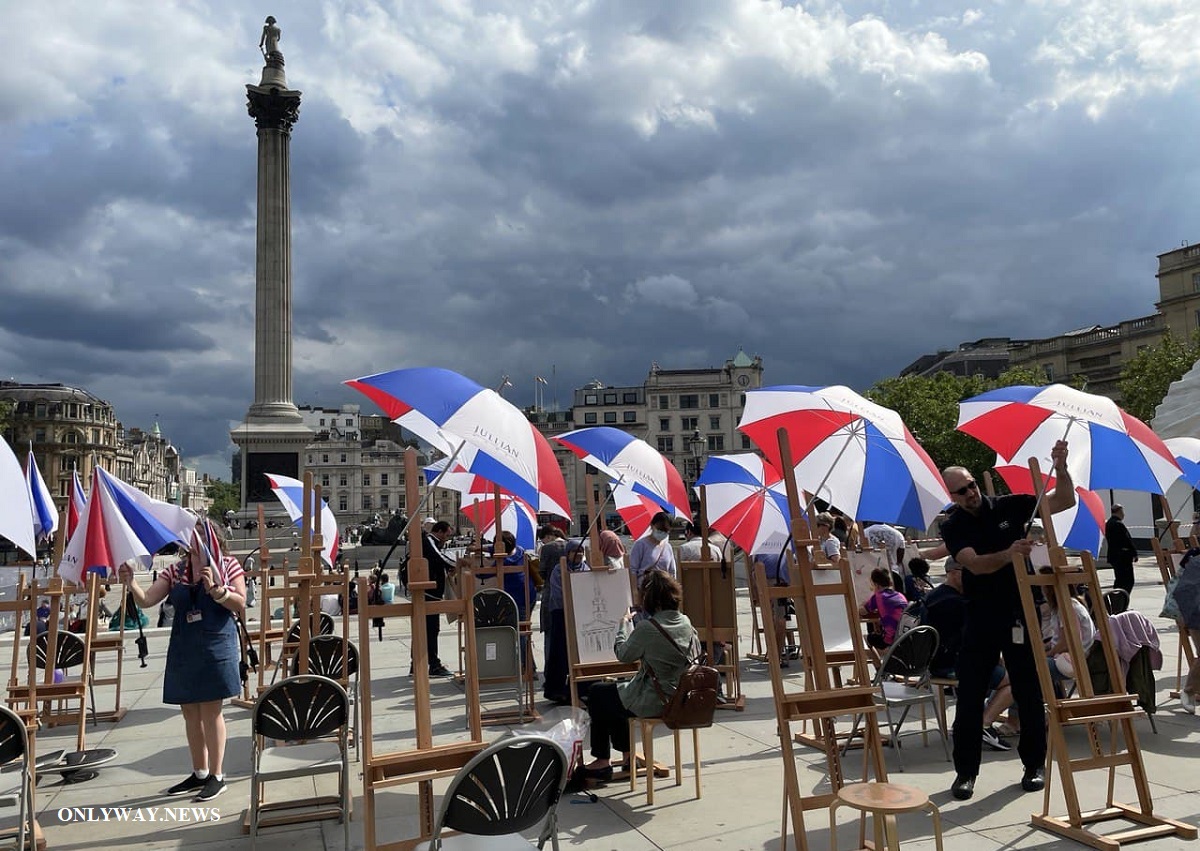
<point>290,492</point>
<point>114,529</point>
<point>635,509</point>
<point>746,501</point>
<point>15,505</point>
<point>848,451</point>
<point>1080,527</point>
<point>513,453</point>
<point>179,520</point>
<point>45,515</point>
<point>1186,451</point>
<point>76,501</point>
<point>631,462</point>
<point>516,516</point>
<point>1109,449</point>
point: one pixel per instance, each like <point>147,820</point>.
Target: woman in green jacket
<point>611,705</point>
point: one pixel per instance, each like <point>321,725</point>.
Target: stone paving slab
<point>741,805</point>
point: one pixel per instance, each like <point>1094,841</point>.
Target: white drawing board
<point>861,565</point>
<point>836,630</point>
<point>600,598</point>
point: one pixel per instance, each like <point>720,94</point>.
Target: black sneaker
<point>212,788</point>
<point>963,788</point>
<point>191,784</point>
<point>440,670</point>
<point>1034,779</point>
<point>992,739</point>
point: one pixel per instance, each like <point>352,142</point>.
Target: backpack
<point>692,705</point>
<point>914,616</point>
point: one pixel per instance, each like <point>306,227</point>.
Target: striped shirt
<point>229,570</point>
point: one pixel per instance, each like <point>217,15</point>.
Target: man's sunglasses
<point>965,489</point>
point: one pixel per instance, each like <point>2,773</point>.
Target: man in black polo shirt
<point>984,535</point>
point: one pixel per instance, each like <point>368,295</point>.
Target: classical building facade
<point>71,429</point>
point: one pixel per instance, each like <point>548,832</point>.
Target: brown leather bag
<point>695,699</point>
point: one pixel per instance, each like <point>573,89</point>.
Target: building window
<point>385,500</point>
<point>746,442</point>
<point>343,480</point>
<point>666,444</point>
<point>610,398</point>
<point>714,400</point>
<point>343,457</point>
<point>366,480</point>
<point>324,458</point>
<point>383,480</point>
<point>1048,368</point>
<point>689,423</point>
<point>610,416</point>
<point>95,435</point>
<point>324,480</point>
<point>591,399</point>
<point>742,400</point>
<point>73,411</point>
<point>366,502</point>
<point>39,435</point>
<point>341,502</point>
<point>714,422</point>
<point>589,419</point>
<point>689,400</point>
<point>310,458</point>
<point>62,487</point>
<point>664,402</point>
<point>629,416</point>
<point>71,437</point>
<point>629,398</point>
<point>322,421</point>
<point>716,443</point>
<point>664,423</point>
<point>349,421</point>
<point>39,410</point>
<point>1196,282</point>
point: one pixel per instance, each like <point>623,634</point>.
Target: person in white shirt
<point>830,545</point>
<point>653,550</point>
<point>692,544</point>
<point>891,541</point>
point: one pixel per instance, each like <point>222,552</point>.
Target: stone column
<point>274,109</point>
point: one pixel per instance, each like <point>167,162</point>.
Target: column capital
<point>273,108</point>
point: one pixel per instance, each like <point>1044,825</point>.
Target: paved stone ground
<point>742,798</point>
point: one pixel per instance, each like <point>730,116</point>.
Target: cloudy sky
<point>511,186</point>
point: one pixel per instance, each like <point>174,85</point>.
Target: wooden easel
<point>265,633</point>
<point>309,582</point>
<point>428,761</point>
<point>1086,708</point>
<point>761,619</point>
<point>498,572</point>
<point>821,701</point>
<point>710,602</point>
<point>1168,566</point>
<point>23,608</point>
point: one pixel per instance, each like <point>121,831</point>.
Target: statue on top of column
<point>269,43</point>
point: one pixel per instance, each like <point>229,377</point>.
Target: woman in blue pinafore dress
<point>203,654</point>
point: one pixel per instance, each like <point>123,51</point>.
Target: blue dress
<point>203,657</point>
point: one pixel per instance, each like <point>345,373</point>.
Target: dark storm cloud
<point>576,191</point>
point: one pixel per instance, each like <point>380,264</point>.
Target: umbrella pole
<point>1042,483</point>
<point>808,508</point>
<point>429,492</point>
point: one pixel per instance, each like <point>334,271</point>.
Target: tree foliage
<point>929,407</point>
<point>1147,377</point>
<point>225,496</point>
<point>6,409</point>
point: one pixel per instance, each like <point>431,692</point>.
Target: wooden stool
<point>648,725</point>
<point>940,684</point>
<point>883,801</point>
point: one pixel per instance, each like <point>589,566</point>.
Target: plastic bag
<point>569,734</point>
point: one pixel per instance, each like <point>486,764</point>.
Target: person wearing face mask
<point>653,550</point>
<point>556,686</point>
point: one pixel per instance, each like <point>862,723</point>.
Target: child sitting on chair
<point>917,584</point>
<point>886,602</point>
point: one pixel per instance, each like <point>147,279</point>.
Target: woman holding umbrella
<point>208,592</point>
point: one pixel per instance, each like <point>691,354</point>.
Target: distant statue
<point>269,43</point>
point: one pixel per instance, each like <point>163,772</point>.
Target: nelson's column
<point>273,436</point>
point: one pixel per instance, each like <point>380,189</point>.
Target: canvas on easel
<point>819,604</point>
<point>1114,713</point>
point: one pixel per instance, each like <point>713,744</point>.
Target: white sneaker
<point>1188,702</point>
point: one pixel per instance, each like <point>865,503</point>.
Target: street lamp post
<point>697,445</point>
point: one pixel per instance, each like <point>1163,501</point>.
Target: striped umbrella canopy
<point>631,462</point>
<point>290,492</point>
<point>1109,449</point>
<point>16,508</point>
<point>746,502</point>
<point>1080,527</point>
<point>45,515</point>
